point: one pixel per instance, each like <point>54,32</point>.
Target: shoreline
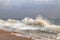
<point>8,36</point>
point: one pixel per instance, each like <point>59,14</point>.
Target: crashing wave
<point>27,23</point>
<point>38,21</point>
<point>27,26</point>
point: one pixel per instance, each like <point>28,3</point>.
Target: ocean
<point>55,21</point>
<point>27,27</point>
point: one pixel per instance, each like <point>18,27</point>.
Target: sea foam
<point>27,26</point>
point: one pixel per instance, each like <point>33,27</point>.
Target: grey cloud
<point>31,8</point>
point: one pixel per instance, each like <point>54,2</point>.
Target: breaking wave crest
<point>28,26</point>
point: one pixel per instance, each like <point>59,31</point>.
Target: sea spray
<point>28,27</point>
<point>38,23</point>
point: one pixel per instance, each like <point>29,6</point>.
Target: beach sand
<point>8,36</point>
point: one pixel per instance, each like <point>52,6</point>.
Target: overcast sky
<point>29,8</point>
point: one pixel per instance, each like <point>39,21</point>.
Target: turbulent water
<point>29,27</point>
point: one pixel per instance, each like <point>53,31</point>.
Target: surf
<point>28,27</point>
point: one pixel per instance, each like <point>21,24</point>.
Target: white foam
<point>38,23</point>
<point>28,24</point>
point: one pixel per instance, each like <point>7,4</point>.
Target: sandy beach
<point>8,36</point>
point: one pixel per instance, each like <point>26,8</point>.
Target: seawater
<point>55,21</point>
<point>26,30</point>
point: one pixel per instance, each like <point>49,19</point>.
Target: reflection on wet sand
<point>8,36</point>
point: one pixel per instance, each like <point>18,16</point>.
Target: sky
<point>29,8</point>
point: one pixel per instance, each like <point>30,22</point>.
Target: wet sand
<point>8,36</point>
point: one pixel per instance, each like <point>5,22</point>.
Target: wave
<point>39,23</point>
<point>28,26</point>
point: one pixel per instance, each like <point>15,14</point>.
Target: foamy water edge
<point>27,24</point>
